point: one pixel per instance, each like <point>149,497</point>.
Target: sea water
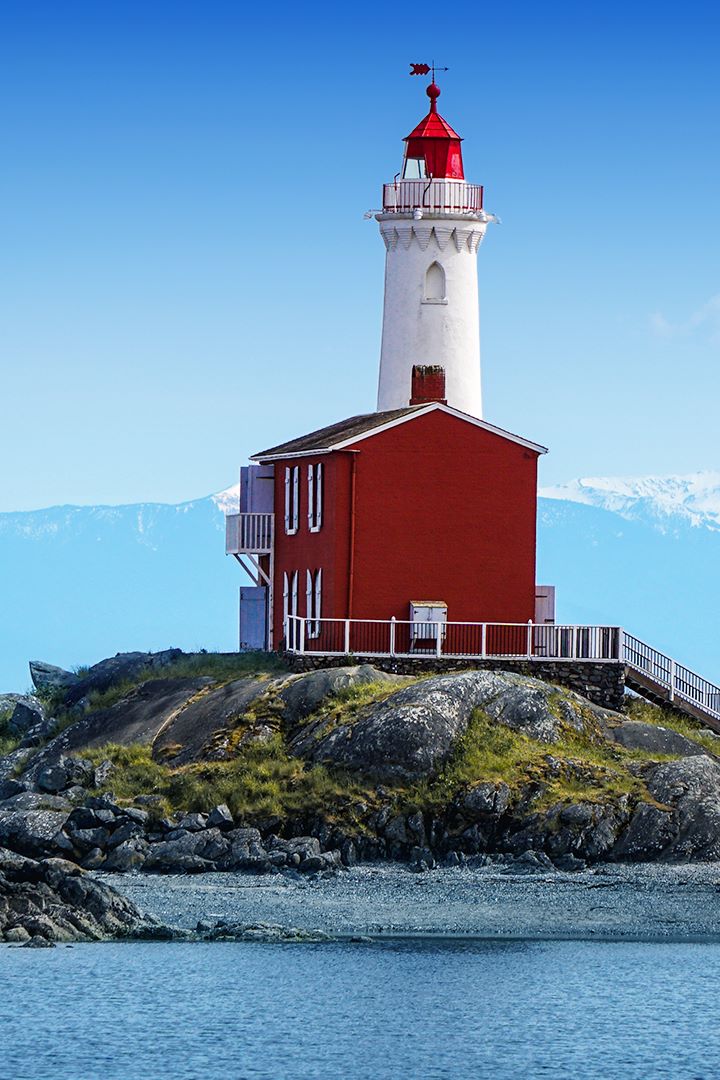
<point>361,1011</point>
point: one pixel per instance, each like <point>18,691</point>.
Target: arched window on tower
<point>435,284</point>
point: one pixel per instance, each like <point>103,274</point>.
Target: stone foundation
<point>601,682</point>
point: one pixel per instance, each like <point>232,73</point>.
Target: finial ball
<point>433,91</point>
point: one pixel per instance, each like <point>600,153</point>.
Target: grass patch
<point>8,741</point>
<point>262,781</point>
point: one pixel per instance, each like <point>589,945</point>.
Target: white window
<point>435,285</point>
<point>290,607</point>
<point>294,593</point>
<point>313,601</point>
<point>292,498</point>
<point>315,497</point>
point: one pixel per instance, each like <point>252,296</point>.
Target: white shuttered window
<point>315,496</point>
<point>292,498</point>
<point>313,601</point>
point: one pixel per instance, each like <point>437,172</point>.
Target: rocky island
<point>171,763</point>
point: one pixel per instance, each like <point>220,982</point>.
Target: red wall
<point>443,510</point>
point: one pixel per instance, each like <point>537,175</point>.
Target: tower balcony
<point>432,197</point>
<point>249,534</point>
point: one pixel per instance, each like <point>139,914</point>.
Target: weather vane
<point>424,69</point>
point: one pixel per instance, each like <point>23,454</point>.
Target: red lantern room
<point>432,150</point>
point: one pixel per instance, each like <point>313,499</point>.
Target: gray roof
<point>356,426</point>
<point>327,437</point>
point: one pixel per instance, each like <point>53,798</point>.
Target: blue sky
<point>187,276</point>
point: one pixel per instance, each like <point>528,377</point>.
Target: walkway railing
<point>648,670</point>
<point>679,683</point>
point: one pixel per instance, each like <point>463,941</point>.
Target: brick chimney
<point>428,384</point>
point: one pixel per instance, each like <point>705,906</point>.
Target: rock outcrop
<point>622,800</point>
<point>52,900</point>
<point>413,733</point>
<point>685,823</point>
<point>123,667</point>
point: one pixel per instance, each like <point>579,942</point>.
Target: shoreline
<point>614,903</point>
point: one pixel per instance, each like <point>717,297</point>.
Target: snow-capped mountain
<point>663,500</point>
<point>80,583</point>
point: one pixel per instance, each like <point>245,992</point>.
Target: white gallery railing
<point>433,196</point>
<point>503,641</point>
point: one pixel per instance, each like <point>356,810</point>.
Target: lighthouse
<point>401,531</point>
<point>432,224</point>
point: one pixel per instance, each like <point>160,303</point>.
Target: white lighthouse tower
<point>432,224</point>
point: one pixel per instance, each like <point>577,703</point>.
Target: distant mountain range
<point>80,583</point>
<point>662,501</point>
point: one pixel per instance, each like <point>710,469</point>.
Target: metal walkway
<point>662,680</point>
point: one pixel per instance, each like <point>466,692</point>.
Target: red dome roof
<point>435,141</point>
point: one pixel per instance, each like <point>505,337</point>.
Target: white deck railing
<point>433,196</point>
<point>395,637</point>
<point>249,534</point>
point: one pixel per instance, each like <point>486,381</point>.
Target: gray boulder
<point>302,852</point>
<point>48,677</point>
<point>9,788</point>
<point>31,832</point>
<point>130,855</point>
<point>117,669</point>
<point>51,900</point>
<point>128,830</point>
<point>191,851</point>
<point>27,713</point>
<point>13,763</point>
<point>65,773</point>
<point>35,800</point>
<point>193,822</point>
<point>652,738</point>
<point>689,829</point>
<point>395,831</point>
<point>487,799</point>
<point>103,773</point>
<point>195,731</point>
<point>137,718</point>
<point>220,818</point>
<point>246,852</point>
<point>302,695</point>
<point>39,733</point>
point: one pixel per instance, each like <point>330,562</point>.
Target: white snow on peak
<point>228,501</point>
<point>694,498</point>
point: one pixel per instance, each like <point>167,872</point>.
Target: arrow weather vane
<point>424,69</point>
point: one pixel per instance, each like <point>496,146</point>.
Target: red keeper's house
<point>416,513</point>
<point>383,531</point>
